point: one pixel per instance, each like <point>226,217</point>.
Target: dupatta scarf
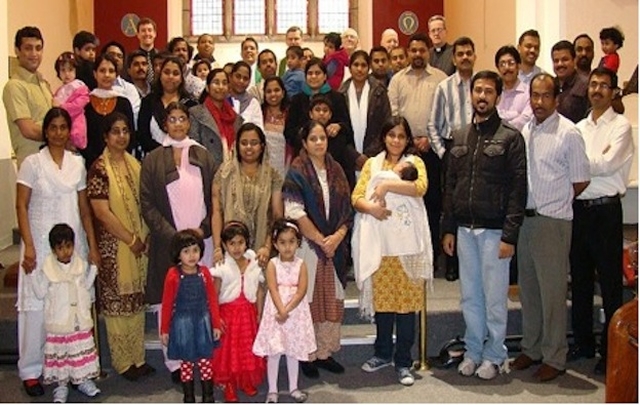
<point>302,186</point>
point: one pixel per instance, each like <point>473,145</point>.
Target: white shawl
<point>358,112</point>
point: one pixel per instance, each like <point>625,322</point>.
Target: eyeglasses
<point>436,30</point>
<point>599,85</point>
<point>507,63</point>
<point>181,119</point>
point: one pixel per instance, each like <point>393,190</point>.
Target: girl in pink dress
<point>286,326</point>
<point>73,96</point>
<point>239,282</point>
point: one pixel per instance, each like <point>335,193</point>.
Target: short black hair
<point>508,50</point>
<point>135,54</point>
<point>175,41</point>
<point>296,50</point>
<point>334,39</point>
<point>117,45</point>
<point>543,76</point>
<point>318,99</point>
<point>194,68</point>
<point>84,37</point>
<point>613,34</point>
<point>462,41</point>
<point>249,39</point>
<point>528,33</point>
<point>59,234</point>
<point>421,37</point>
<point>409,172</point>
<point>583,35</point>
<point>564,45</point>
<point>27,32</point>
<point>378,48</point>
<point>184,239</point>
<point>603,71</point>
<point>490,75</point>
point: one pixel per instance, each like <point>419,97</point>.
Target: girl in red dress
<point>239,280</point>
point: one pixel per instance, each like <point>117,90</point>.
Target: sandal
<point>299,396</point>
<point>272,398</point>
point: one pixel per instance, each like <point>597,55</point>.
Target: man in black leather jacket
<point>484,199</point>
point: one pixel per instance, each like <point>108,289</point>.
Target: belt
<point>599,201</point>
<point>531,213</point>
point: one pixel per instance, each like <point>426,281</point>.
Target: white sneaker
<point>89,388</point>
<point>467,367</point>
<point>60,394</point>
<point>487,370</point>
<point>405,377</point>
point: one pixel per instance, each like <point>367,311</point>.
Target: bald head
<point>389,39</point>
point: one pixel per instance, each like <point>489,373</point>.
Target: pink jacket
<point>336,63</point>
<point>73,97</point>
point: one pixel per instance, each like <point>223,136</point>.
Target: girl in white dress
<point>286,326</point>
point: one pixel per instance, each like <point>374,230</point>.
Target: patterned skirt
<point>70,358</point>
<point>234,361</point>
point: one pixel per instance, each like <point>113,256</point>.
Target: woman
<point>339,124</point>
<point>175,193</point>
<point>214,122</point>
<point>168,88</point>
<point>113,190</point>
<point>275,109</point>
<point>103,101</point>
<point>368,106</point>
<point>51,189</point>
<point>243,102</point>
<point>316,194</point>
<point>247,189</point>
<point>396,288</point>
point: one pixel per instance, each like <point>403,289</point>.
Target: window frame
<point>228,16</point>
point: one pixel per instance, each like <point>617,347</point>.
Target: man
<point>267,68</point>
<point>529,48</point>
<point>441,54</point>
<point>249,51</point>
<point>380,69</point>
<point>292,37</point>
<point>27,98</point>
<point>350,40</point>
<point>583,45</point>
<point>389,39</point>
<point>452,110</point>
<point>121,86</point>
<point>573,102</point>
<point>137,67</point>
<point>484,199</point>
<point>557,171</point>
<point>84,48</point>
<point>411,94</point>
<point>596,244</point>
<point>398,58</point>
<point>146,33</point>
<point>514,106</point>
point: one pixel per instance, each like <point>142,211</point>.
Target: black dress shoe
<point>131,374</point>
<point>580,352</point>
<point>33,388</point>
<point>145,370</point>
<point>451,274</point>
<point>330,365</point>
<point>601,367</point>
<point>309,369</point>
<point>175,376</point>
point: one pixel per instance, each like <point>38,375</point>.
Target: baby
<point>406,170</point>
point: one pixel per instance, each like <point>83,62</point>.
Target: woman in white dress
<point>51,189</point>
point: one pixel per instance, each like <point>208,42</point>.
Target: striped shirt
<point>556,159</point>
<point>451,110</point>
<point>609,146</point>
<point>411,94</point>
<point>514,106</point>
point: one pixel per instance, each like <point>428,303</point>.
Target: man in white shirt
<point>558,171</point>
<point>514,106</point>
<point>529,48</point>
<point>596,245</point>
<point>411,92</point>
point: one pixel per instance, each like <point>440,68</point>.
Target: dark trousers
<point>596,248</point>
<point>405,337</point>
<point>433,198</point>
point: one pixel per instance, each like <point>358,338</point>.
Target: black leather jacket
<point>486,179</point>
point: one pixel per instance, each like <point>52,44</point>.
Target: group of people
<point>231,202</point>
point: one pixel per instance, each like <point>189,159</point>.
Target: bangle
<point>133,241</point>
<point>218,249</point>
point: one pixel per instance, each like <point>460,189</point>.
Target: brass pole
<point>423,364</point>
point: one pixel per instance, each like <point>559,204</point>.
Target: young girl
<point>73,96</point>
<point>241,299</point>
<point>190,319</point>
<point>201,69</point>
<point>65,285</point>
<point>286,326</point>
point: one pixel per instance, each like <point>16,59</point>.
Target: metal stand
<point>423,364</point>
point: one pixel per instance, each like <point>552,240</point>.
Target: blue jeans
<point>405,336</point>
<point>484,285</point>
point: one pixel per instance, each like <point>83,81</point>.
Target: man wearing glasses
<point>441,54</point>
<point>514,105</point>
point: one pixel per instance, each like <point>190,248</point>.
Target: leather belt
<point>599,201</point>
